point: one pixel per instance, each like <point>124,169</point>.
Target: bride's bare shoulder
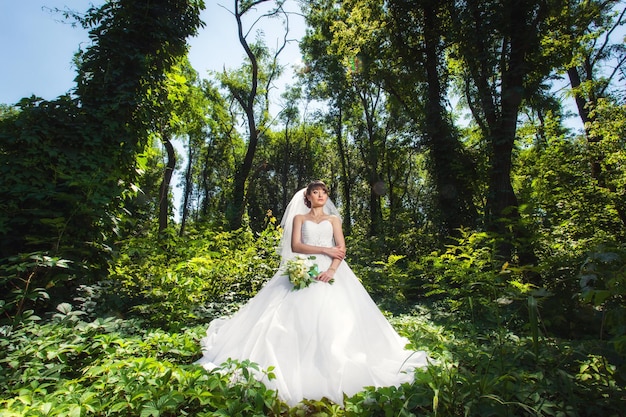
<point>334,218</point>
<point>299,217</point>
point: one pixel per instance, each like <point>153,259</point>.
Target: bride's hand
<point>326,275</point>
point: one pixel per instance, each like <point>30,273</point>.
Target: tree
<point>498,51</point>
<point>595,62</point>
<point>222,146</point>
<point>80,153</point>
<point>67,164</point>
<point>289,116</point>
<point>250,87</point>
<point>419,79</point>
<point>182,107</point>
<point>398,46</point>
<point>325,78</point>
<point>143,40</point>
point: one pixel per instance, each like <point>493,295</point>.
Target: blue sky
<point>36,47</point>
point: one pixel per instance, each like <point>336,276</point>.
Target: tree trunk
<point>451,170</point>
<point>345,175</point>
<point>500,124</point>
<point>284,177</point>
<point>505,203</point>
<point>188,187</point>
<point>370,155</point>
<point>238,204</point>
<point>206,169</point>
<point>376,186</point>
<point>165,184</point>
<point>417,37</point>
<point>581,102</point>
<point>237,207</point>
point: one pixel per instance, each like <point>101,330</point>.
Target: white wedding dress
<point>323,341</point>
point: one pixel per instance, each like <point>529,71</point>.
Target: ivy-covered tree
<point>135,43</point>
<point>68,163</point>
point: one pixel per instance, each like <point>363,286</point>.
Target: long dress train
<point>323,341</point>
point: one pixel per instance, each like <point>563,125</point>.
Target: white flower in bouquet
<point>301,271</point>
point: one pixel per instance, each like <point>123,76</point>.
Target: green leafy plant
<point>26,280</point>
<point>195,279</point>
<point>115,367</point>
<point>603,285</point>
<point>67,365</point>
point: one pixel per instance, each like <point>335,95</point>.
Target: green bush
<point>468,280</point>
<point>603,286</point>
<point>191,279</point>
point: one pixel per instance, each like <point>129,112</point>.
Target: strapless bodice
<point>318,234</point>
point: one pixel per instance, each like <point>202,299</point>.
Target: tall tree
<point>122,77</point>
<point>325,78</point>
<point>251,88</point>
<point>218,154</point>
<point>135,43</point>
<point>596,61</point>
<point>183,115</point>
<point>370,138</point>
<point>419,79</point>
<point>399,45</point>
<point>67,164</point>
<point>299,155</point>
<point>91,142</point>
<point>336,119</point>
<point>289,116</point>
<point>498,46</point>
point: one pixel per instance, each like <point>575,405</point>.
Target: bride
<point>325,340</point>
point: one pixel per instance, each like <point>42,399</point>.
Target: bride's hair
<point>313,185</point>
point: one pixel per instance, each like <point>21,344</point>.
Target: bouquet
<point>301,271</point>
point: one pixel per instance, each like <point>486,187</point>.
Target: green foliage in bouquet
<point>302,271</point>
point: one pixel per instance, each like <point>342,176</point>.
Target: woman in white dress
<point>325,340</point>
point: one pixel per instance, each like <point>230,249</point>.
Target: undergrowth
<point>69,366</point>
<point>127,346</point>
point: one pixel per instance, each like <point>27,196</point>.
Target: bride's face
<point>318,197</point>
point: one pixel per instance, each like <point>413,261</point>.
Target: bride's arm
<point>338,233</point>
<point>340,244</point>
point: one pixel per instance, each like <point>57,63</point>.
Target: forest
<point>476,150</point>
